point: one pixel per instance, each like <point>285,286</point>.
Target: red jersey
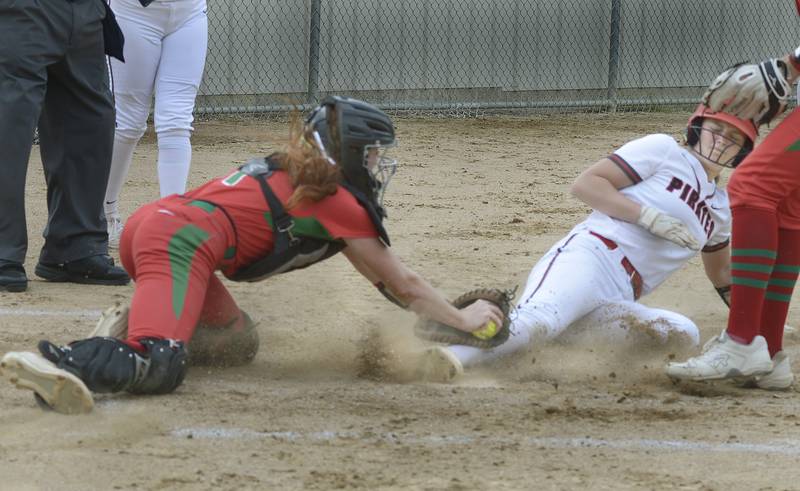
<point>335,217</point>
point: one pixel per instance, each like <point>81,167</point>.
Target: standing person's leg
<point>779,294</point>
<point>133,84</point>
<point>76,131</point>
<point>754,244</point>
<point>23,81</point>
<point>779,289</point>
<point>758,187</point>
<point>179,75</point>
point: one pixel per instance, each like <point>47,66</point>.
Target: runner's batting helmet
<point>746,126</point>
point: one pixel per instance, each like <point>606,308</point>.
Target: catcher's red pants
<point>769,178</point>
<point>171,249</point>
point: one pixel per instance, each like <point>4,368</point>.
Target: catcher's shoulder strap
<point>375,217</point>
<point>290,251</point>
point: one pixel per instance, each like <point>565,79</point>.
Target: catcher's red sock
<point>780,288</point>
<point>754,242</point>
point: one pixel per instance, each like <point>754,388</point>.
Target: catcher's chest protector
<point>291,251</point>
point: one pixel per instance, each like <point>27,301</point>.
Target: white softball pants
<point>165,54</point>
<point>580,279</point>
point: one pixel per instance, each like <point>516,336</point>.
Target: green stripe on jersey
<point>305,226</point>
<point>203,205</point>
<point>234,178</point>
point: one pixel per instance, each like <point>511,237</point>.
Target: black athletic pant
<point>53,72</point>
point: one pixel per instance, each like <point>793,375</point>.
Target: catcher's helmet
<point>746,126</point>
<point>345,130</point>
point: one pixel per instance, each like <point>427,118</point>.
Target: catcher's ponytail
<point>312,176</point>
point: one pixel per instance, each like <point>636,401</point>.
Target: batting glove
<point>667,227</point>
<point>758,92</point>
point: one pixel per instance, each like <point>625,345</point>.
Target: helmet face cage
<point>382,170</point>
<point>695,128</point>
<point>718,141</point>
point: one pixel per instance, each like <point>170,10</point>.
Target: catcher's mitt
<point>432,330</point>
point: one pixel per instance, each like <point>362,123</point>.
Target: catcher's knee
<point>110,365</point>
<point>224,346</point>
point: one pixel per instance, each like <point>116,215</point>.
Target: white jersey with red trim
<point>667,177</point>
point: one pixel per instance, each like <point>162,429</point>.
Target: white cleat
<point>439,364</point>
<point>724,358</point>
<point>113,323</point>
<point>60,390</point>
<point>115,227</point>
<point>781,376</point>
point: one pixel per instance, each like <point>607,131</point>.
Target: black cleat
<point>92,270</point>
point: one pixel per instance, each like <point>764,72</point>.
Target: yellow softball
<point>486,332</point>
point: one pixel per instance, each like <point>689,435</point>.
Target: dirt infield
<point>328,403</point>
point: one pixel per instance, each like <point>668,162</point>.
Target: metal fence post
<point>613,56</point>
<point>313,53</point>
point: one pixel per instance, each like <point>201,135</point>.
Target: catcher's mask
<point>695,127</point>
<point>356,136</point>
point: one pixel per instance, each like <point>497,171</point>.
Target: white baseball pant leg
<point>573,278</point>
<point>629,320</point>
<point>155,37</point>
<point>183,58</point>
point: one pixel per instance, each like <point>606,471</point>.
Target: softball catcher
<point>323,195</point>
<point>656,203</point>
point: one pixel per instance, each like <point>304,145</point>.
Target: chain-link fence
<point>469,56</point>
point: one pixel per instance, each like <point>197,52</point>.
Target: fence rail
<point>466,56</point>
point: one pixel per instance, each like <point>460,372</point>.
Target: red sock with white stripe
<point>754,243</point>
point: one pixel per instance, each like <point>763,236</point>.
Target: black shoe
<point>12,277</point>
<point>92,270</point>
<point>51,352</point>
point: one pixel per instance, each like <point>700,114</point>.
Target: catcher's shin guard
<point>109,365</point>
<point>224,346</point>
<point>219,346</point>
<point>166,367</point>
